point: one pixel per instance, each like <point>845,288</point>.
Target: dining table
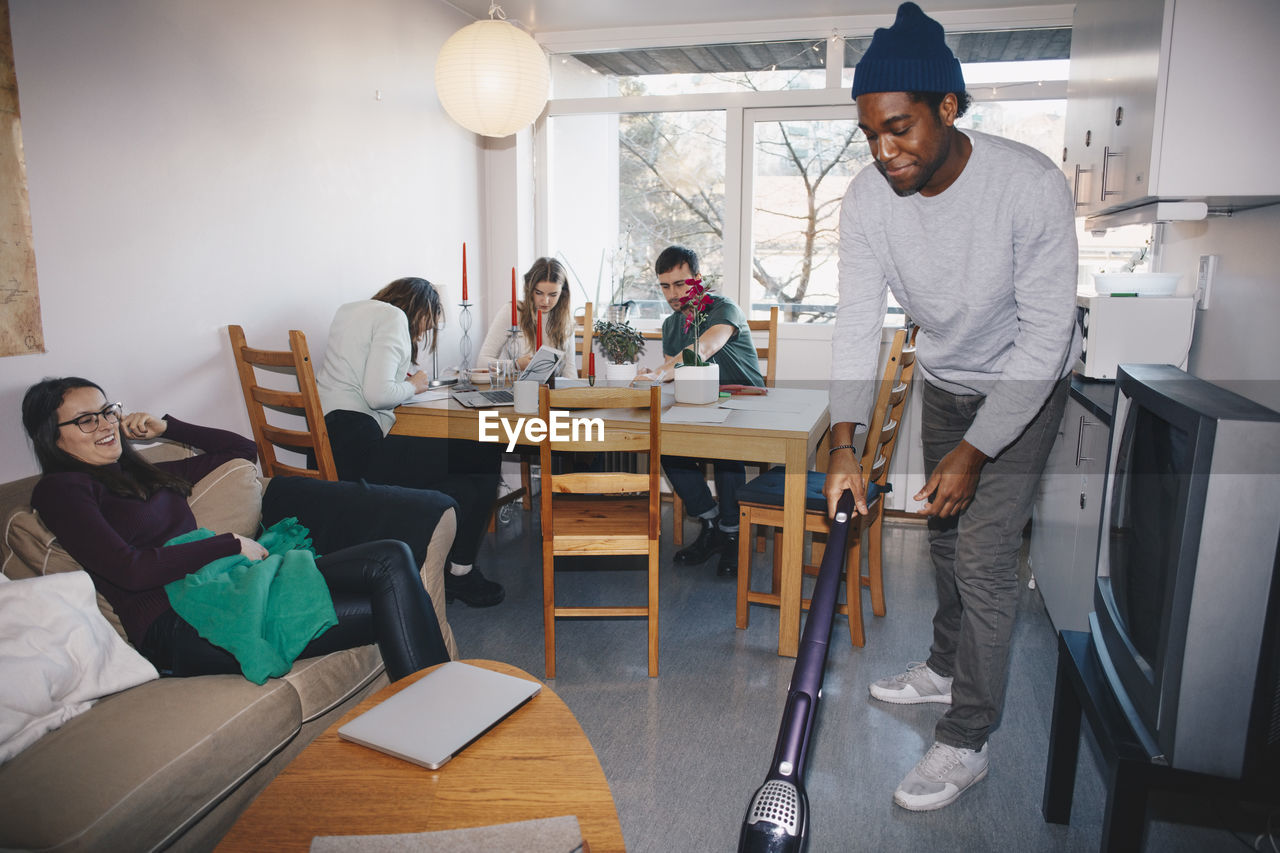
<point>785,426</point>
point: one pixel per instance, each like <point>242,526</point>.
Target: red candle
<point>591,364</point>
<point>514,322</point>
<point>464,272</point>
<point>538,345</point>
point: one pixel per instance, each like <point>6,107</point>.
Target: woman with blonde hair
<point>546,292</point>
<point>370,367</point>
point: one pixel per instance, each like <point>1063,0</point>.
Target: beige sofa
<point>172,763</point>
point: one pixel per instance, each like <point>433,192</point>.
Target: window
<point>801,164</point>
<point>658,177</point>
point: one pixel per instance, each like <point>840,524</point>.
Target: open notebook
<point>434,719</point>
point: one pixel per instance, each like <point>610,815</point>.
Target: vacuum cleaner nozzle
<point>776,819</point>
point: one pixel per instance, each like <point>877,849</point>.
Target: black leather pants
<point>377,595</point>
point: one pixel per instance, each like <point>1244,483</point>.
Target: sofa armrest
<point>342,514</point>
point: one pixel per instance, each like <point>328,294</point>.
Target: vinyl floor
<point>684,752</point>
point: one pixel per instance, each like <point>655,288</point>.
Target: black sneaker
<point>709,542</point>
<point>473,589</point>
<point>727,566</point>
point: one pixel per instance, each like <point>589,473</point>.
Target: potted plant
<point>621,345</point>
<point>696,380</point>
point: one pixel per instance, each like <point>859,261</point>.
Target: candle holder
<point>511,349</point>
<point>464,322</point>
<point>464,346</point>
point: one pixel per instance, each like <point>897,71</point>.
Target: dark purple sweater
<point>118,539</point>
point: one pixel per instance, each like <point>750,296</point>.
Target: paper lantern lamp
<point>492,78</point>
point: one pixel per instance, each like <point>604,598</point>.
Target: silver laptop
<point>543,365</point>
<point>436,717</point>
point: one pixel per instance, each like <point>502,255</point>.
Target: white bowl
<point>1138,283</point>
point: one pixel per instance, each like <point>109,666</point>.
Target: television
<point>1186,617</point>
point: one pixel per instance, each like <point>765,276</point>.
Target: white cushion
<point>57,655</point>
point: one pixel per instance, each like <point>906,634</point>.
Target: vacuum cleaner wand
<point>778,817</point>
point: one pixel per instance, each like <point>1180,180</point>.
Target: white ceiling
<point>542,16</point>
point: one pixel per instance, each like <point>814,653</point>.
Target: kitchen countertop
<point>1096,395</point>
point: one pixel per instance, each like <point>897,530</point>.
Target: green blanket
<point>263,612</point>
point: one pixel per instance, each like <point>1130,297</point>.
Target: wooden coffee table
<point>537,763</point>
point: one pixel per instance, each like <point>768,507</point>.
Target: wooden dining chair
<point>767,354</point>
<point>295,365</point>
<point>760,503</point>
<point>584,330</point>
<point>768,357</point>
<point>596,514</point>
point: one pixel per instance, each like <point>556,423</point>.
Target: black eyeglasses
<point>88,423</point>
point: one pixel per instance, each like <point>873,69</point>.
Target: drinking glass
<point>501,372</point>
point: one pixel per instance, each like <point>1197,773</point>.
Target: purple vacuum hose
<point>778,817</point>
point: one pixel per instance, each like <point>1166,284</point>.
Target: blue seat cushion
<point>767,489</point>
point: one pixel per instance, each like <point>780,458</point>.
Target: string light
<point>815,47</point>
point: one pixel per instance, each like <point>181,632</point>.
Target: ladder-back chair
<point>596,514</point>
<point>760,502</point>
<point>304,401</point>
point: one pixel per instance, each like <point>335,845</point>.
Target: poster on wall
<point>20,328</point>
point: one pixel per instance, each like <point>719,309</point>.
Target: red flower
<point>696,302</point>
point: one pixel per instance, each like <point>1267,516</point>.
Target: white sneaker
<point>918,684</point>
<point>943,774</point>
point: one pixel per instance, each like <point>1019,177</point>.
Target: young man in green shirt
<point>725,339</point>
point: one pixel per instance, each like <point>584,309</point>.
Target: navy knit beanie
<point>910,56</point>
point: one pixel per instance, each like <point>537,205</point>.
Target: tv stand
<point>1083,692</point>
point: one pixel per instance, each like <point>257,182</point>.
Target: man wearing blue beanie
<point>975,236</point>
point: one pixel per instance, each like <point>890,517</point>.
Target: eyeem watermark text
<point>560,427</point>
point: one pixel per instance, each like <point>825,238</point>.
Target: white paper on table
<point>757,403</point>
<point>695,415</point>
<point>429,396</point>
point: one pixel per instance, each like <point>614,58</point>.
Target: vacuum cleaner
<point>778,817</point>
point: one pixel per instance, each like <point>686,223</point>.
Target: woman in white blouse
<point>370,367</point>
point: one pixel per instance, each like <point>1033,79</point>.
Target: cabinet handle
<point>1084,422</point>
<point>1107,154</point>
<point>1075,188</point>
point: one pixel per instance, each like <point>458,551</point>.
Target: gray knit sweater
<point>987,268</point>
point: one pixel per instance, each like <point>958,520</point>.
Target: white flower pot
<point>697,384</point>
<point>619,372</point>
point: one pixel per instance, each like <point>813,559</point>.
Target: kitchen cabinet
<point>1066,518</point>
<point>1169,100</point>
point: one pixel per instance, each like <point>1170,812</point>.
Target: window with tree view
<point>800,170</point>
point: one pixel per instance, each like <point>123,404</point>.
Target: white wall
<point>1236,342</point>
<point>193,164</point>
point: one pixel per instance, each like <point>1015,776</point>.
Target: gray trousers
<point>975,560</point>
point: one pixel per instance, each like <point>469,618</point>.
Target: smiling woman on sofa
<point>114,512</point>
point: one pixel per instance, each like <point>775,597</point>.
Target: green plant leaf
<point>621,343</point>
<point>692,359</point>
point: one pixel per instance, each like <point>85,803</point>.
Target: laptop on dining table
<point>544,365</point>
